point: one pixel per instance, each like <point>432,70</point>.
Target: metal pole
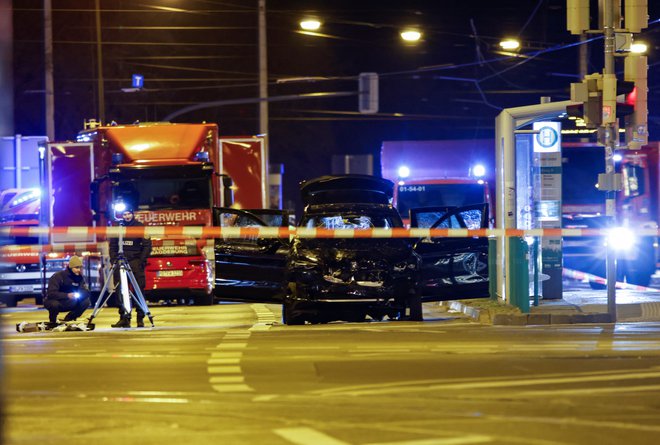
<point>610,141</point>
<point>584,56</point>
<point>18,150</point>
<point>6,69</point>
<point>263,91</point>
<point>48,66</point>
<point>99,64</point>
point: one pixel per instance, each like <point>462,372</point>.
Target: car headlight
<point>306,258</point>
<point>621,238</point>
<point>407,265</point>
<point>55,265</point>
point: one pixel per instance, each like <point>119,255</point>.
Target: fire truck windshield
<point>165,193</point>
<point>438,195</point>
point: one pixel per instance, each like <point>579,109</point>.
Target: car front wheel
<point>290,316</point>
<point>415,306</point>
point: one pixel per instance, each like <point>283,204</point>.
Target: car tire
<point>11,301</point>
<point>290,316</point>
<point>415,306</point>
<point>204,300</point>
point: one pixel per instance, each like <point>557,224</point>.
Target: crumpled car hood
<point>338,249</point>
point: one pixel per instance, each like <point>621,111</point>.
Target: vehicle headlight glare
<point>479,171</point>
<point>621,238</point>
<point>119,206</point>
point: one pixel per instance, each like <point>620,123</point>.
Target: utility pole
<point>49,90</point>
<point>99,64</point>
<point>610,134</point>
<point>263,88</point>
<point>597,95</point>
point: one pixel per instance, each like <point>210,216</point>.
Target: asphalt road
<point>231,374</point>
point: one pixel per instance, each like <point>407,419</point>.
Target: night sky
<point>449,86</point>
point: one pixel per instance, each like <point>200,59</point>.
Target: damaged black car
<point>319,279</point>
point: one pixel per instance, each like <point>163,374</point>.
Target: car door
<point>250,269</point>
<point>452,268</point>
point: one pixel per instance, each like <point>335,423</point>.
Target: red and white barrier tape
<point>77,233</point>
<point>577,275</point>
<point>21,250</point>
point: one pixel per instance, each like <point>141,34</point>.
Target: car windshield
<point>165,193</point>
<point>12,240</point>
<point>339,221</point>
<point>472,219</point>
<point>437,195</point>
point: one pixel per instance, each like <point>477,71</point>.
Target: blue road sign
<point>138,81</point>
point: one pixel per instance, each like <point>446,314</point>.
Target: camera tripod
<point>125,276</point>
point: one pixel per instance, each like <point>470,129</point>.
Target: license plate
<point>170,273</point>
<point>18,289</point>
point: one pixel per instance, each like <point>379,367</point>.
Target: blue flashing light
<point>403,171</point>
<point>117,158</point>
<point>31,195</point>
<point>478,171</point>
<point>119,206</point>
<point>202,156</point>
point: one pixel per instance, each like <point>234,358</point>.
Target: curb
<point>501,314</point>
<point>543,319</point>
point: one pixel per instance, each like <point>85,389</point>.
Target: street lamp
<point>638,48</point>
<point>509,44</point>
<point>411,35</point>
<point>310,24</point>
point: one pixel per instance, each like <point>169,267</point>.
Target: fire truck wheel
<point>639,278</point>
<point>204,300</point>
<point>11,301</point>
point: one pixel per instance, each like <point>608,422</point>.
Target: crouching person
<point>67,292</point>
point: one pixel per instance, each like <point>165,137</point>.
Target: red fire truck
<point>166,172</point>
<point>172,174</point>
<point>454,173</point>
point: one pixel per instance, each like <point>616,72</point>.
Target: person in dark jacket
<point>67,292</point>
<point>136,251</point>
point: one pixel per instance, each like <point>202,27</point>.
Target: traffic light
<point>577,16</point>
<point>636,15</point>
<point>590,93</point>
<point>368,93</point>
<point>626,94</point>
<point>636,123</point>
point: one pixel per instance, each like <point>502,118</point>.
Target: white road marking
<point>227,379</point>
<point>224,369</point>
<point>473,438</point>
<point>305,436</point>
<point>502,382</point>
<point>224,364</point>
<point>589,391</point>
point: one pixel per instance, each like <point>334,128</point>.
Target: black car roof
<point>347,189</point>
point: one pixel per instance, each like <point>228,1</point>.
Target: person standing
<point>67,292</point>
<point>136,251</point>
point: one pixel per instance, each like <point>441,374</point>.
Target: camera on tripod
<point>126,293</point>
